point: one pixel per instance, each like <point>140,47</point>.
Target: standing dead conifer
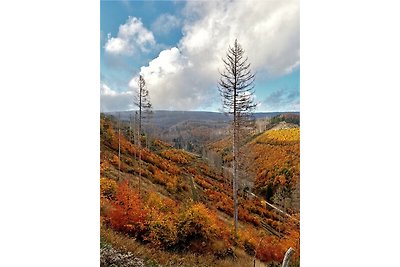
<point>142,101</point>
<point>236,87</point>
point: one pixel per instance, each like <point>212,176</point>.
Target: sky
<point>178,47</point>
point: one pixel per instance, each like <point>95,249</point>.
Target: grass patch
<point>156,257</point>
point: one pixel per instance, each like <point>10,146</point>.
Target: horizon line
<point>291,111</point>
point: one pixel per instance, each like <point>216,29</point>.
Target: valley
<point>167,203</point>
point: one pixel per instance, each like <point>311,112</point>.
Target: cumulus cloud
<point>172,82</point>
<point>112,100</point>
<point>268,30</point>
<point>185,77</point>
<point>165,23</point>
<point>132,37</point>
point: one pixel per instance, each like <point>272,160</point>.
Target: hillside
<point>276,155</point>
<point>272,163</point>
<point>180,210</point>
<point>193,130</point>
<point>166,118</point>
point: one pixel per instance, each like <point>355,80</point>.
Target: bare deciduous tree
<point>142,101</point>
<point>236,86</point>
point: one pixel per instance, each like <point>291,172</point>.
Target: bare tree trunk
<point>140,133</point>
<point>143,103</point>
<point>130,127</point>
<point>235,178</point>
<point>119,146</point>
<point>140,155</point>
<point>287,257</point>
<point>135,135</point>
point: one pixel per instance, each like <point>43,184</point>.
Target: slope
<point>271,164</point>
<point>184,205</point>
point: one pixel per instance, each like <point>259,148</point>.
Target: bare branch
<point>236,87</point>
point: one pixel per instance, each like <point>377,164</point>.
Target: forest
<point>172,206</point>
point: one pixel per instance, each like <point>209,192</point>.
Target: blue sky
<point>177,46</point>
<point>118,71</point>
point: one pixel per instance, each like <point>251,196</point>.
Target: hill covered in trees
<point>161,205</point>
<point>270,161</point>
<point>193,130</point>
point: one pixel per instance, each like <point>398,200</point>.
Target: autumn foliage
<point>276,163</point>
<point>281,135</point>
<point>161,222</point>
<point>199,223</point>
<point>188,203</point>
<point>127,214</point>
<point>268,248</point>
<point>108,188</point>
<point>177,156</point>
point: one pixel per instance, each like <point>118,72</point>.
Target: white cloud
<point>112,100</point>
<point>165,23</point>
<point>185,77</point>
<point>268,30</point>
<point>132,37</point>
<point>172,82</point>
<point>106,91</point>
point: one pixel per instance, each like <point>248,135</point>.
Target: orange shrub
<point>202,182</point>
<point>177,155</point>
<point>163,204</point>
<point>108,188</point>
<point>292,240</point>
<point>161,219</point>
<point>244,215</point>
<point>249,240</point>
<point>162,230</point>
<point>170,181</point>
<point>220,201</point>
<point>161,144</point>
<point>127,215</point>
<point>119,163</point>
<point>115,160</point>
<point>192,170</point>
<point>199,223</point>
<point>269,249</point>
<point>160,162</point>
<point>104,166</point>
<point>280,136</point>
<point>206,170</point>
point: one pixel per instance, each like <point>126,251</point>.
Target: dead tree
<point>142,101</point>
<point>236,87</point>
<point>119,146</point>
<point>288,256</point>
